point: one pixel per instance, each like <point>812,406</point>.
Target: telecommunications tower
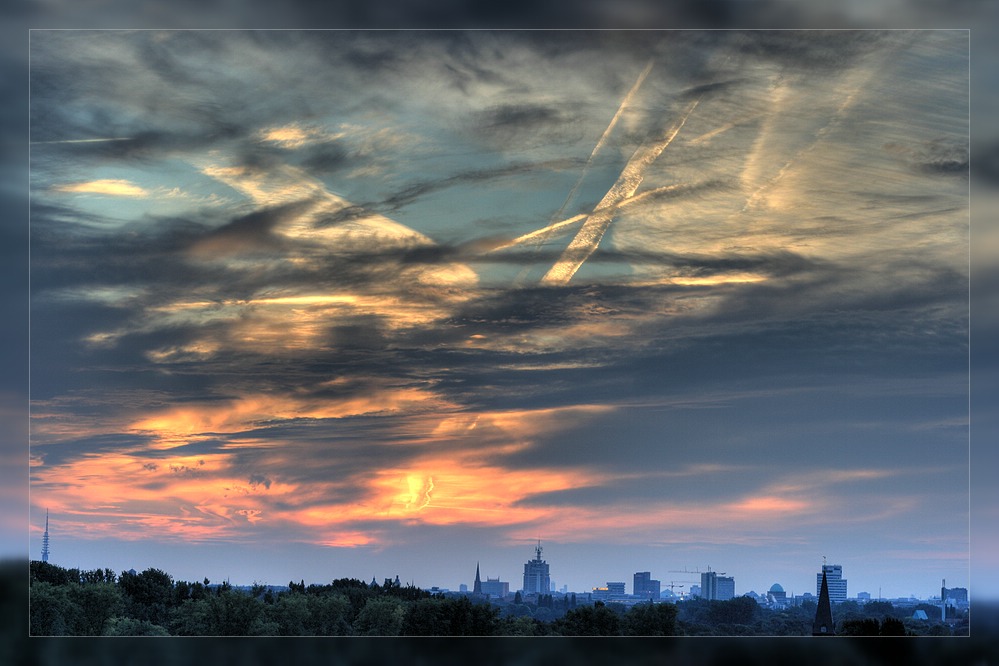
<point>45,539</point>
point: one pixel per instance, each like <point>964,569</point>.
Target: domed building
<point>776,597</point>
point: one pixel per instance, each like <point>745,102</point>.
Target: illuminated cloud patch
<point>111,187</point>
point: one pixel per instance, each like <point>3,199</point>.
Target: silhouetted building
<point>536,576</point>
<point>494,587</point>
<point>835,580</point>
<point>717,588</point>
<point>823,625</point>
<point>956,595</point>
<point>612,589</point>
<point>477,586</point>
<point>776,596</point>
<point>646,586</point>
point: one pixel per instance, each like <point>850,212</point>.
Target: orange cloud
<point>177,424</point>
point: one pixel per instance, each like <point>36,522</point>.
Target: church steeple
<point>823,625</point>
<point>477,586</point>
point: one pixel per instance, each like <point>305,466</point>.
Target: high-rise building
<point>537,579</point>
<point>835,580</point>
<point>725,588</point>
<point>646,586</point>
<point>717,588</point>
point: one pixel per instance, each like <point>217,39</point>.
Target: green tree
<point>233,613</point>
<point>880,609</point>
<point>381,616</point>
<point>741,610</point>
<point>892,627</point>
<point>50,573</point>
<point>291,614</point>
<point>328,615</point>
<point>518,626</point>
<point>595,620</point>
<point>191,618</point>
<point>127,626</point>
<point>650,620</point>
<point>149,593</point>
<point>96,603</point>
<point>50,611</point>
<point>865,627</point>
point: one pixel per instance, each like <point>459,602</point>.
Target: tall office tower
<point>725,588</point>
<point>646,586</point>
<point>536,575</point>
<point>835,580</point>
<point>717,588</point>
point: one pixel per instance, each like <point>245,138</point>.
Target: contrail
<point>592,231</point>
<point>124,138</point>
<point>600,143</point>
<point>835,120</point>
<point>859,84</point>
<point>579,218</point>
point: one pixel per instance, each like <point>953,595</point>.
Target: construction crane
<point>673,584</point>
<point>696,571</point>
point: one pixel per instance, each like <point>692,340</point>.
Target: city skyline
<point>335,301</point>
<point>670,577</point>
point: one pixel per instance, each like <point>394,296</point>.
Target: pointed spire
<point>823,625</point>
<point>477,586</point>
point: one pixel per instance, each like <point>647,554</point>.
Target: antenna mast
<point>45,539</point>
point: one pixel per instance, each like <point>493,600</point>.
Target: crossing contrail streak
<point>588,237</point>
<point>857,83</point>
<point>544,231</point>
<point>600,143</point>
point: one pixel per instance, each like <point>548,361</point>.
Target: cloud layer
<point>332,286</point>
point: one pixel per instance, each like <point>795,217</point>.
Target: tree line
<point>72,602</point>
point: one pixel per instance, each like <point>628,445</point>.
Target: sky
<point>310,305</point>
